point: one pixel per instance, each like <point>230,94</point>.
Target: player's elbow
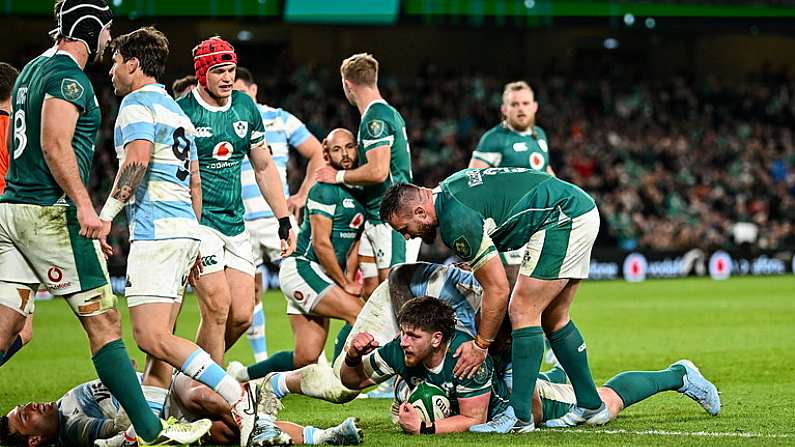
<point>381,174</point>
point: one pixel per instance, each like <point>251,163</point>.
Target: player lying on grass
<point>451,284</point>
<point>313,279</point>
<point>89,415</point>
<point>423,354</point>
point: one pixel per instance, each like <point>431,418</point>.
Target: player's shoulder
<point>242,100</point>
<point>458,339</point>
<point>325,192</point>
<point>492,139</point>
<point>382,110</point>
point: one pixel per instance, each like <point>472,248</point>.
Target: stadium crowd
<point>673,163</point>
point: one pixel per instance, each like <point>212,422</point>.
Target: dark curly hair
<point>8,438</point>
<point>428,314</point>
<point>148,45</point>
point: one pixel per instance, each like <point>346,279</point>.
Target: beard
<point>427,232</point>
<point>339,165</point>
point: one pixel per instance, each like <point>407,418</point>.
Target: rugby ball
<point>431,401</point>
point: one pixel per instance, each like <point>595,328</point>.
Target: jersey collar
<point>526,133</point>
<point>157,88</point>
<point>65,53</point>
<point>211,108</point>
<point>375,101</point>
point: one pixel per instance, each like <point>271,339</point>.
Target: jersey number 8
<point>181,149</point>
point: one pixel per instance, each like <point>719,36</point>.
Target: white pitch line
<point>706,434</point>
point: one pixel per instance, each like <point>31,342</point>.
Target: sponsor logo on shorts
<point>209,260</point>
<point>348,203</point>
<point>223,151</point>
<point>581,348</point>
<point>298,295</point>
<point>128,283</point>
<point>55,274</point>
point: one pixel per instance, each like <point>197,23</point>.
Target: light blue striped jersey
<point>456,287</point>
<point>89,412</point>
<point>282,130</point>
<point>161,208</point>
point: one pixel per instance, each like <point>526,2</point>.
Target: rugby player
<point>384,159</point>
<point>282,131</point>
<point>516,142</point>
<point>158,184</point>
<point>423,350</point>
<point>481,211</point>
<point>8,74</point>
<point>89,415</point>
<point>228,127</point>
<point>56,116</point>
<point>313,279</point>
<point>183,86</point>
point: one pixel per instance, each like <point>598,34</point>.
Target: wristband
<point>482,343</point>
<point>340,178</point>
<point>284,228</point>
<point>111,209</point>
<point>427,429</point>
<point>352,361</point>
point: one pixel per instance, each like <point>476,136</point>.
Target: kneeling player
<point>88,415</point>
<point>313,279</point>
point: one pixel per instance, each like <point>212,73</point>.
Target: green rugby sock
<point>635,386</point>
<point>339,343</point>
<point>526,353</point>
<point>116,372</point>
<point>281,361</point>
<point>569,348</point>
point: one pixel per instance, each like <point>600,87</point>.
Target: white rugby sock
<point>201,367</point>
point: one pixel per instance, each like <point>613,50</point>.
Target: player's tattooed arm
<point>130,176</point>
<point>131,173</point>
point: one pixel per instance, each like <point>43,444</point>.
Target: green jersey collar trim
<point>376,101</point>
<point>209,107</point>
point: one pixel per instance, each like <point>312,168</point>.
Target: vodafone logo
<point>55,274</point>
<point>635,267</point>
<point>536,161</point>
<point>357,221</point>
<point>223,151</point>
<point>720,265</point>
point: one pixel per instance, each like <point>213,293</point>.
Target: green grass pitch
<point>740,332</point>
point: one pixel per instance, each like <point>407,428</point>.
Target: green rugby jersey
<point>347,218</point>
<point>382,125</point>
<point>52,74</point>
<point>481,211</point>
<point>503,146</point>
<point>388,360</point>
<point>224,135</point>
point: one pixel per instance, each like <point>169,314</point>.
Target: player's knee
<point>151,342</point>
<point>240,321</point>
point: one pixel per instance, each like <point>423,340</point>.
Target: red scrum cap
<point>212,53</point>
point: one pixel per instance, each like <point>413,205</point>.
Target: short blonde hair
<point>515,87</point>
<point>361,69</point>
